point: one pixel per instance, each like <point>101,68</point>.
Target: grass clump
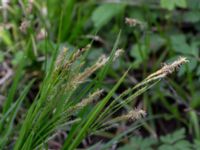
<point>57,101</point>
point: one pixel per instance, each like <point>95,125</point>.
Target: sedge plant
<point>59,102</point>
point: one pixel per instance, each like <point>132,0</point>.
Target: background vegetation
<point>33,33</point>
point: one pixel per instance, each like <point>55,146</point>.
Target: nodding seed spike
<point>168,68</point>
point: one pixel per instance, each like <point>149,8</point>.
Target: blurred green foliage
<point>175,141</point>
<point>169,28</point>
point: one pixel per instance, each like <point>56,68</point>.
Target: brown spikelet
<point>100,62</point>
<point>132,22</point>
<point>91,98</point>
<point>118,53</point>
<point>76,55</point>
<point>24,26</point>
<point>169,68</point>
<point>61,57</point>
<point>130,116</point>
<point>133,115</point>
<point>79,52</point>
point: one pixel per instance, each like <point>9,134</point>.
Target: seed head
<point>135,114</point>
<point>118,53</point>
<point>132,22</point>
<point>91,98</point>
<point>169,68</point>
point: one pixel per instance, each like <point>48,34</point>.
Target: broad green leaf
<point>140,144</point>
<point>104,13</point>
<point>192,65</point>
<point>18,56</point>
<point>156,42</point>
<point>171,4</point>
<point>140,53</point>
<point>94,54</point>
<point>183,145</point>
<point>194,5</point>
<point>165,147</point>
<point>181,3</point>
<point>138,14</point>
<point>179,44</point>
<point>172,141</point>
<point>167,4</point>
<point>195,48</point>
<point>196,144</point>
<point>172,138</point>
<point>192,16</point>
